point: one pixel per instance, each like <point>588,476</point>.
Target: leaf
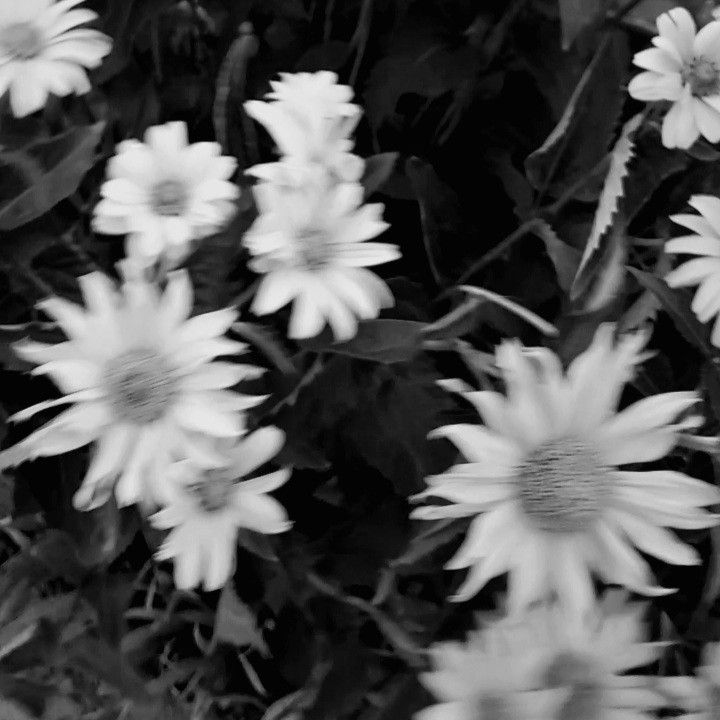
<point>382,340</point>
<point>236,624</point>
<point>612,191</point>
<point>677,305</point>
<point>580,139</point>
<point>378,168</point>
<point>565,258</point>
<point>575,15</point>
<point>52,170</point>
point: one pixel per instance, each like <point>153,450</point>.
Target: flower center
<point>141,385</point>
<point>213,491</point>
<point>703,77</point>
<point>581,675</point>
<point>312,249</point>
<point>169,197</point>
<point>23,40</point>
<point>562,485</point>
<point>493,707</point>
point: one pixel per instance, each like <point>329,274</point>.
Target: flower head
<point>142,384</point>
<point>542,477</point>
<point>311,119</point>
<point>310,243</point>
<point>703,270</point>
<point>44,50</point>
<point>205,508</point>
<point>684,68</point>
<point>164,193</point>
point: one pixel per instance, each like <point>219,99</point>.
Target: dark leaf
<point>378,168</point>
<point>236,624</point>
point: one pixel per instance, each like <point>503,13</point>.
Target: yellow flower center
<point>703,77</point>
<point>562,485</point>
<point>169,198</point>
<point>213,491</point>
<point>141,385</point>
<point>22,40</point>
<point>582,677</point>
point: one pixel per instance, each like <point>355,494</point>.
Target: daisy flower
<point>311,120</point>
<point>140,378</point>
<point>704,270</point>
<point>164,193</point>
<point>542,478</point>
<point>44,50</point>
<point>542,666</point>
<point>205,508</point>
<point>684,68</point>
<point>309,242</point>
<point>496,673</point>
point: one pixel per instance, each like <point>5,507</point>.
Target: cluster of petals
<point>310,239</point>
<point>540,667</point>
<point>704,269</point>
<point>165,193</point>
<point>44,49</point>
<point>544,483</point>
<point>683,68</point>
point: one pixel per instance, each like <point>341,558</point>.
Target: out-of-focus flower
<point>44,50</point>
<point>165,193</point>
<point>543,481</point>
<point>704,270</point>
<point>205,508</point>
<point>140,378</point>
<point>698,695</point>
<point>684,68</point>
<point>310,243</point>
<point>311,120</point>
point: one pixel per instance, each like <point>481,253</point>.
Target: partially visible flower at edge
<point>683,68</point>
<point>205,507</point>
<point>165,193</point>
<point>43,50</point>
<point>142,384</point>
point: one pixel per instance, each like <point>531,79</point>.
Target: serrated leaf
<point>52,170</point>
<point>676,304</point>
<point>612,191</point>
<point>581,137</point>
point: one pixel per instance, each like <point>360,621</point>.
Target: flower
<point>165,193</point>
<point>43,50</point>
<point>543,481</point>
<point>539,665</point>
<point>496,674</point>
<point>698,695</point>
<point>142,384</point>
<point>205,508</point>
<point>704,270</point>
<point>311,120</point>
<point>309,242</point>
<point>684,68</point>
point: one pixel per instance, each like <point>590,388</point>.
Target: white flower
<point>205,508</point>
<point>684,68</point>
<point>165,193</point>
<point>704,270</point>
<point>496,674</point>
<point>551,505</point>
<point>139,376</point>
<point>43,50</point>
<point>540,666</point>
<point>311,120</point>
<point>698,695</point>
<point>309,242</point>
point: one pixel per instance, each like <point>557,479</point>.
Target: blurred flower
<point>165,193</point>
<point>43,50</point>
<point>684,68</point>
<point>551,505</point>
<point>205,508</point>
<point>698,695</point>
<point>311,120</point>
<point>703,271</point>
<point>139,376</point>
<point>309,242</point>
